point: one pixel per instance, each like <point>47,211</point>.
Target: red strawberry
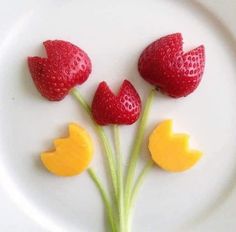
<point>65,67</point>
<point>108,108</point>
<point>164,64</point>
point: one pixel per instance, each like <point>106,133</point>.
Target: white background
<point>12,217</point>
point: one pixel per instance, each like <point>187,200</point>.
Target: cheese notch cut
<point>72,155</point>
<point>171,151</point>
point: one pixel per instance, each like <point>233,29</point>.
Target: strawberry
<point>175,73</point>
<point>66,66</point>
<point>108,108</point>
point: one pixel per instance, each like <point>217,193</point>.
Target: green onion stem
<point>98,184</point>
<point>135,152</point>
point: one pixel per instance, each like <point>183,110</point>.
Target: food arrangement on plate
<point>165,66</point>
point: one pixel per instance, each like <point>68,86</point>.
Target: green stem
<point>135,152</point>
<point>104,197</point>
<point>110,157</point>
<point>139,181</point>
<point>135,190</point>
<point>107,147</point>
<point>119,179</point>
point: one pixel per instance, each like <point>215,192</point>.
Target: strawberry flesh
<point>175,73</point>
<point>66,66</point>
<point>107,108</point>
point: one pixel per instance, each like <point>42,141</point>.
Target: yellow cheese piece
<point>72,155</point>
<point>171,151</point>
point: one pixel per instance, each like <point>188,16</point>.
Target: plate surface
<point>114,33</point>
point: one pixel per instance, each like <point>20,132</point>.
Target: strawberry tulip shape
<point>65,67</point>
<point>108,108</point>
<point>165,65</point>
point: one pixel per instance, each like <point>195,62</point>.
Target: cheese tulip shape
<point>72,155</point>
<point>171,151</point>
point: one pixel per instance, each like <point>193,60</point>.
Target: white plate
<point>114,33</point>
